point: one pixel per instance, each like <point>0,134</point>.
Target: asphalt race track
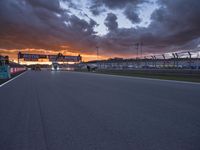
<point>82,111</point>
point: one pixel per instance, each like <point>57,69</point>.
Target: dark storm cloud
<point>42,24</point>
<point>111,22</point>
<point>113,4</point>
<point>178,20</point>
<point>131,13</point>
<point>52,5</point>
<point>129,6</point>
<point>175,24</point>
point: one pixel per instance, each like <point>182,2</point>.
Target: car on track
<point>55,67</point>
<point>37,68</point>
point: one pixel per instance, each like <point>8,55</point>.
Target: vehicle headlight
<point>52,68</point>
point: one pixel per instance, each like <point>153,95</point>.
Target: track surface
<point>81,111</point>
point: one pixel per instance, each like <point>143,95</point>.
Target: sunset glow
<point>115,27</point>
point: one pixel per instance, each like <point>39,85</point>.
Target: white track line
<point>11,79</point>
<point>154,79</point>
<point>146,78</point>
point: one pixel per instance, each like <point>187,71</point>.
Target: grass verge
<point>153,75</point>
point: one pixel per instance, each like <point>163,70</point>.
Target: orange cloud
<point>13,54</point>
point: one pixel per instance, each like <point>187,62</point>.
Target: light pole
<point>97,48</point>
<point>164,59</point>
<point>174,57</point>
<point>137,47</point>
<point>18,56</point>
<point>145,59</point>
<point>99,65</point>
<point>141,50</point>
<point>177,60</point>
<point>190,57</point>
<point>154,61</point>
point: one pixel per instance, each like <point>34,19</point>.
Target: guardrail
<point>6,72</point>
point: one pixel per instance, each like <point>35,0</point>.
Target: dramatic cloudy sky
<point>115,26</point>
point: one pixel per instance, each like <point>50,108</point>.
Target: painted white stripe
<point>145,78</point>
<point>154,79</point>
<point>12,79</point>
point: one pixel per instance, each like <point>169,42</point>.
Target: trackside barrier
<point>5,72</point>
<point>14,70</point>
